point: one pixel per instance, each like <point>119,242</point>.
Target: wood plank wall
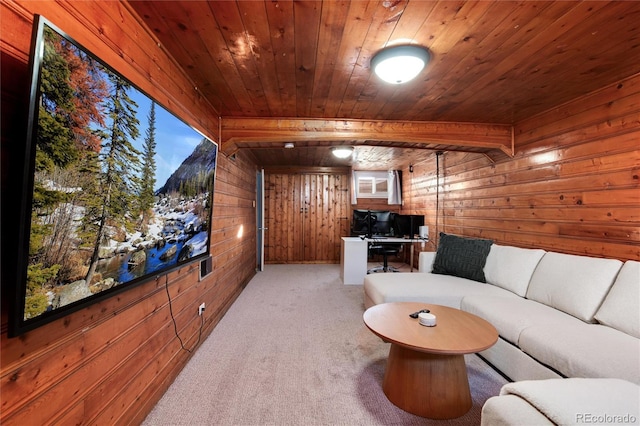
<point>109,363</point>
<point>572,187</point>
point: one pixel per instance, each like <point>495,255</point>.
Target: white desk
<point>355,252</point>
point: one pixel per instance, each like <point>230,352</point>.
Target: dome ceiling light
<point>399,64</point>
<point>342,151</point>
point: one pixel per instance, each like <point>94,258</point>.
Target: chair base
<point>383,269</point>
<point>385,251</point>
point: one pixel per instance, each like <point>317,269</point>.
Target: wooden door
<point>306,215</point>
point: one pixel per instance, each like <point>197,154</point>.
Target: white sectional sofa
<point>559,316</point>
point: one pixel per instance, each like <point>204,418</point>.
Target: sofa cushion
<point>574,401</point>
<point>511,314</point>
<point>621,307</point>
<point>444,290</point>
<point>578,349</point>
<point>509,410</point>
<point>462,257</point>
<point>511,267</point>
<point>574,284</point>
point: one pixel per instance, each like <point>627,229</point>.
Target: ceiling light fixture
<point>289,145</point>
<point>399,64</point>
<point>342,151</point>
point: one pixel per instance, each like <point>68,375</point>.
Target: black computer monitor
<point>360,222</point>
<point>372,222</point>
<point>407,225</point>
<point>383,224</point>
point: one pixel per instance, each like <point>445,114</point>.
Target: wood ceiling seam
<point>226,59</point>
<point>254,17</point>
<point>281,30</point>
<point>307,19</point>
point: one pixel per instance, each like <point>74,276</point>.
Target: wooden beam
<point>263,132</point>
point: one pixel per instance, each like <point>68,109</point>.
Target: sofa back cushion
<point>461,257</point>
<point>621,307</point>
<point>511,268</point>
<point>573,284</point>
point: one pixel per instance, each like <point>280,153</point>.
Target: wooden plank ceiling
<point>299,71</point>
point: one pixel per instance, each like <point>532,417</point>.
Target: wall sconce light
<point>342,151</point>
<point>289,145</point>
<point>399,64</point>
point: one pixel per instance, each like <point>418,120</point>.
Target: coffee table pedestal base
<point>428,385</point>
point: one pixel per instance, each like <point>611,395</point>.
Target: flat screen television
<point>116,189</point>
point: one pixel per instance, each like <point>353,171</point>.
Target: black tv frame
<point>192,223</point>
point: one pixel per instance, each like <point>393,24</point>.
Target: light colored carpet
<point>292,350</point>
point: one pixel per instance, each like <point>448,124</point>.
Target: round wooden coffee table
<point>426,373</point>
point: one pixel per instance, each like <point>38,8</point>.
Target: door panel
<point>283,221</point>
<point>306,215</point>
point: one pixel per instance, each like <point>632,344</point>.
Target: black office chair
<point>385,250</point>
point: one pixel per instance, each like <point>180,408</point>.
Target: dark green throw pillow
<point>462,257</point>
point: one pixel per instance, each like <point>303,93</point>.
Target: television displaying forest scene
<point>117,189</point>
